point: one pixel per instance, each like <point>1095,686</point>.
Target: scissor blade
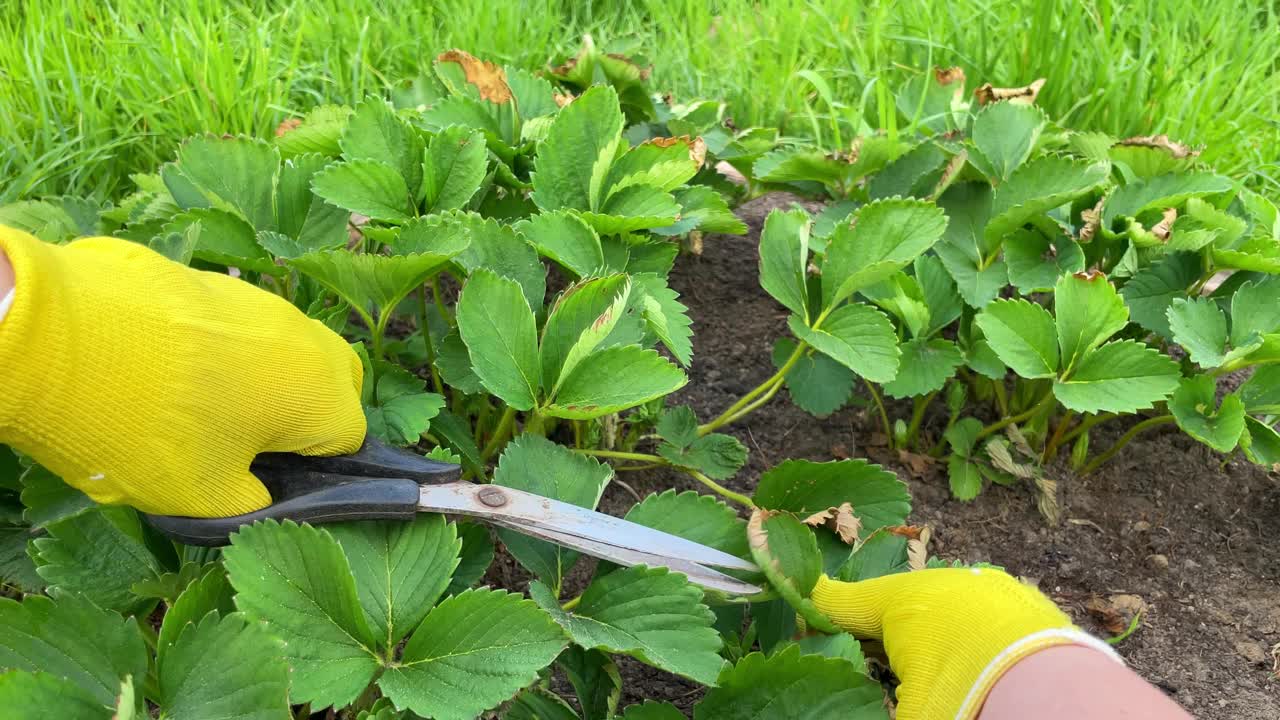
<point>697,574</point>
<point>534,511</point>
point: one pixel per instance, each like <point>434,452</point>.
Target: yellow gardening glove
<point>950,633</point>
<point>144,382</point>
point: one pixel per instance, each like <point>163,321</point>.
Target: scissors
<point>382,483</point>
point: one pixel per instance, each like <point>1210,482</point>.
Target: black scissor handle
<point>374,483</point>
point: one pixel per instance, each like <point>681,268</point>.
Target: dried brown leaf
<point>562,99</point>
<point>1025,95</point>
<point>1116,611</point>
<point>1092,219</point>
<point>918,550</point>
<point>1002,458</point>
<point>917,464</point>
<point>697,146</point>
<point>949,173</point>
<point>1176,150</point>
<point>946,76</point>
<point>286,125</point>
<point>839,520</point>
<point>1161,229</point>
<point>645,72</point>
<point>910,532</point>
<point>489,78</point>
<point>1047,500</point>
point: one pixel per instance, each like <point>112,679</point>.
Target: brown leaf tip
<point>946,76</point>
<point>489,78</point>
<point>1176,150</point>
<point>839,520</point>
<point>1024,95</point>
<point>1091,275</point>
<point>697,146</point>
<point>287,125</point>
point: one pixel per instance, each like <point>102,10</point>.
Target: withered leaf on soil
<point>839,520</point>
<point>1176,150</point>
<point>917,464</point>
<point>946,76</point>
<point>1162,228</point>
<point>1115,612</point>
<point>918,550</point>
<point>1025,95</point>
<point>489,78</point>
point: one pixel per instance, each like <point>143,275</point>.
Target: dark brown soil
<point>1165,521</point>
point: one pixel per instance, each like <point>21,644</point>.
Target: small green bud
<point>1080,451</point>
<point>899,433</point>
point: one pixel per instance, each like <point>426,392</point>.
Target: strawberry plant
<point>498,258</point>
<point>1053,280</point>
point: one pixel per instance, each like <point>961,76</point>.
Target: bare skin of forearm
<point>1070,682</point>
<point>6,275</point>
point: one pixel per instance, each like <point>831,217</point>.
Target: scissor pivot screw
<point>492,496</point>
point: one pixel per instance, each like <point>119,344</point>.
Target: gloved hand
<point>141,381</point>
<point>950,633</point>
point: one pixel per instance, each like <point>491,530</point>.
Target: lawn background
<point>91,92</point>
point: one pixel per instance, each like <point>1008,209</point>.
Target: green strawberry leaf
<point>914,174</point>
<point>926,366</point>
<point>1151,291</point>
<point>41,694</point>
<point>978,284</point>
<point>883,237</point>
<point>1260,443</point>
<point>1089,310</point>
<point>805,487</point>
<point>1261,392</point>
<point>940,293</point>
<point>499,248</point>
<point>219,648</point>
<point>402,412</point>
<point>1160,192</point>
<point>400,569</point>
<point>1194,406</point>
<point>1004,134</point>
<point>368,187</point>
<point>566,240</point>
<point>84,647</point>
<point>666,319</point>
<point>790,686</point>
<point>537,465</point>
<point>209,593</point>
<point>473,651</point>
<point>635,207</point>
<point>320,132</point>
<point>375,133</point>
<point>17,569</point>
<point>963,473</point>
<point>651,614</point>
<point>1255,311</point>
<point>1037,187</point>
<point>716,455</point>
<point>1198,325</point>
<point>99,555</point>
<point>454,169</point>
<point>574,160</point>
<point>614,379</point>
<point>48,499</point>
<point>1036,262</point>
<point>664,163</point>
<point>784,259</point>
<point>595,681</point>
<point>1022,334</point>
<point>236,173</point>
<point>222,238</point>
<point>857,336</point>
<point>1120,377</point>
<point>498,326</point>
<point>703,209</point>
<point>300,213</point>
<point>474,559</point>
<point>787,552</point>
<point>378,281</point>
<point>817,384</point>
<point>580,314</point>
<point>297,580</point>
<point>693,516</point>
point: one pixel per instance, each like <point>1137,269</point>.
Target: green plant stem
<point>536,424</point>
<point>732,411</point>
<point>656,461</point>
<point>1110,452</point>
<point>571,604</point>
<point>751,407</point>
<point>500,433</point>
<point>1051,447</point>
<point>1002,398</point>
<point>482,416</point>
<point>884,416</point>
<point>1085,425</point>
<point>1046,401</point>
<point>720,489</point>
<point>619,455</point>
<point>920,405</point>
<point>426,340</point>
<point>632,468</point>
<point>435,294</point>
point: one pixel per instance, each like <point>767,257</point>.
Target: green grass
<point>88,96</point>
